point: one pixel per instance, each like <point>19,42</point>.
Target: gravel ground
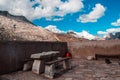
<point>81,70</point>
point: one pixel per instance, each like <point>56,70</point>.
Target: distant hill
<point>113,36</point>
<point>69,38</point>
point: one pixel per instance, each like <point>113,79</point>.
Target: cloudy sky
<point>84,17</point>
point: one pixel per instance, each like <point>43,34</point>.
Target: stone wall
<point>13,53</point>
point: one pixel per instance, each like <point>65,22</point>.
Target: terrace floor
<point>81,70</point>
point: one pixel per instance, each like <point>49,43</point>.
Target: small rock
<point>68,78</point>
<point>107,61</point>
<point>90,57</point>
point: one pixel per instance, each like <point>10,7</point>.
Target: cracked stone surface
<point>81,70</point>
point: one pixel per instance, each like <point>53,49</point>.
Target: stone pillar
<point>67,64</point>
<point>50,71</point>
<point>27,66</point>
<point>38,66</point>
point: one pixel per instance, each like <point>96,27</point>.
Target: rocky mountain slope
<point>69,38</point>
<point>19,28</point>
<point>17,18</point>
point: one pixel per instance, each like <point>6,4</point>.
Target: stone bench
<point>40,59</point>
<point>50,66</point>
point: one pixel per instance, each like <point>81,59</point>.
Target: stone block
<point>45,55</point>
<point>27,66</point>
<point>90,57</point>
<point>38,66</point>
<point>50,71</point>
<point>67,64</point>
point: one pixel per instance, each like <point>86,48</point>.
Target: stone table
<point>40,59</point>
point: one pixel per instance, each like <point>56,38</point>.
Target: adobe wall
<point>84,49</point>
<point>13,53</point>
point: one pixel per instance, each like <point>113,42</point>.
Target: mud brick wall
<point>13,53</point>
<point>84,49</point>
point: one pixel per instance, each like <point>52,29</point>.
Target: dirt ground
<point>81,70</point>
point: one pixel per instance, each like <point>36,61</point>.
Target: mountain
<point>69,38</point>
<point>19,28</point>
<point>112,36</point>
<point>17,18</point>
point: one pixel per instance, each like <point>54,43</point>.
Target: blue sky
<point>111,14</point>
<point>86,18</point>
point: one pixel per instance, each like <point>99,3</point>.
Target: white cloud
<point>113,30</point>
<point>97,12</point>
<point>44,9</point>
<point>57,19</point>
<point>101,32</point>
<point>71,6</point>
<point>85,34</point>
<point>18,7</point>
<point>54,29</point>
<point>54,19</point>
<point>117,23</point>
<point>108,31</point>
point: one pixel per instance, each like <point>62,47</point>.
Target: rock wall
<point>13,53</point>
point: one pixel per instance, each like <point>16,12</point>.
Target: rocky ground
<point>81,70</point>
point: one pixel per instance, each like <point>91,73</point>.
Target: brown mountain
<point>19,28</point>
<point>69,38</point>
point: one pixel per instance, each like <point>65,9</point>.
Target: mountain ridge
<point>15,17</point>
<point>20,29</point>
